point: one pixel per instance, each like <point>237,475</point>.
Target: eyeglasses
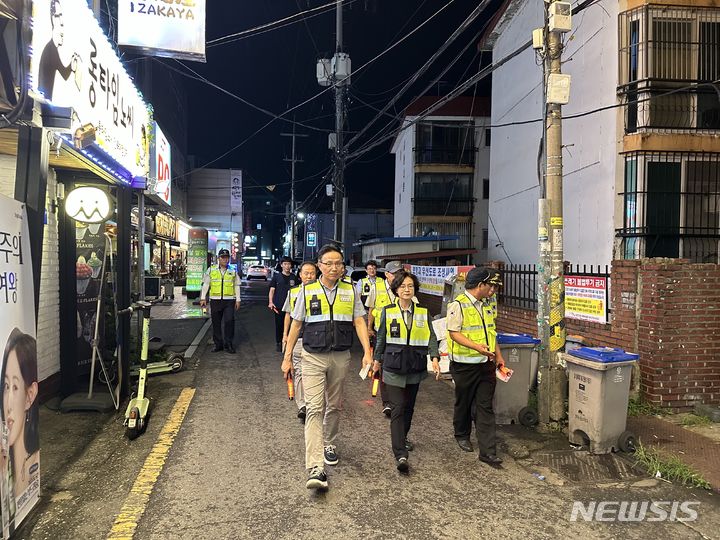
<point>334,264</point>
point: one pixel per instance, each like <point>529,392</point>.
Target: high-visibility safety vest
<point>367,285</point>
<point>293,294</point>
<point>382,299</point>
<point>328,327</point>
<point>479,326</point>
<point>406,348</point>
<point>222,286</point>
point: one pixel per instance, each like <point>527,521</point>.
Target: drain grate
<point>581,466</point>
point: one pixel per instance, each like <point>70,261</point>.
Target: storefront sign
<point>161,169</point>
<point>311,239</point>
<point>197,258</point>
<point>172,28</point>
<point>90,252</point>
<point>87,204</point>
<point>73,65</point>
<point>165,226</point>
<point>585,298</point>
<point>236,192</point>
<point>183,233</point>
<point>432,278</point>
<point>19,429</point>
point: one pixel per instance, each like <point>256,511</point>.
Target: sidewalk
<point>180,324</point>
<point>698,451</point>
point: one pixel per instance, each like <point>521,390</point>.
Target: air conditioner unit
<point>560,17</point>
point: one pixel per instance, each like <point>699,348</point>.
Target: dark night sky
<point>276,70</point>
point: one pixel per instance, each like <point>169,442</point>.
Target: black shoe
<point>402,465</point>
<point>490,459</point>
<point>409,446</point>
<point>465,445</point>
<point>217,348</point>
<point>230,349</point>
<point>387,410</point>
<point>317,479</point>
<point>330,455</point>
<point>302,413</point>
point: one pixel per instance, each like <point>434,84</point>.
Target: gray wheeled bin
<point>598,398</point>
<point>511,398</point>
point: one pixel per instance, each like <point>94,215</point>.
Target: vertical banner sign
<point>171,28</point>
<point>236,192</point>
<point>585,298</point>
<point>19,437</point>
<point>161,169</point>
<point>89,252</point>
<point>197,258</point>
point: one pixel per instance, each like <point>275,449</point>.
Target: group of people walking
<point>316,314</point>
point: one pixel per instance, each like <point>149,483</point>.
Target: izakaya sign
<point>73,65</point>
<point>173,28</point>
<point>161,169</point>
<point>19,404</point>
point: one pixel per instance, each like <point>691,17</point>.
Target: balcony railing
<point>445,156</point>
<point>443,207</point>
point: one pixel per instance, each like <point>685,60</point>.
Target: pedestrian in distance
<point>405,337</point>
<point>367,284</point>
<point>223,285</point>
<point>326,310</point>
<point>474,358</point>
<point>280,285</point>
<point>308,273</point>
<point>378,297</point>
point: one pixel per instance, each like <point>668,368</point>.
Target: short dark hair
<point>305,263</point>
<point>400,276</point>
<point>286,259</point>
<point>329,248</point>
<point>371,262</point>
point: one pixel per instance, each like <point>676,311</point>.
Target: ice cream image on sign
<point>83,272</point>
<point>95,264</point>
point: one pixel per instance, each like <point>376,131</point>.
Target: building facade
<point>442,174</point>
<point>641,153</point>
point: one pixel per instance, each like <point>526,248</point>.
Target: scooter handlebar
<point>139,305</point>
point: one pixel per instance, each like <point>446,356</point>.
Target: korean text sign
<point>161,170</point>
<point>19,429</point>
<point>73,64</point>
<point>585,298</point>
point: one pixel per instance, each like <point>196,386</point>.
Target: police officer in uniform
<point>473,360</point>
<point>327,310</point>
<point>223,284</point>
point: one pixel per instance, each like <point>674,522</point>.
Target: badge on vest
<point>315,307</point>
<point>419,324</point>
<point>345,297</point>
<point>395,329</point>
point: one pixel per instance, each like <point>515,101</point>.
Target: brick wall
<point>48,330</point>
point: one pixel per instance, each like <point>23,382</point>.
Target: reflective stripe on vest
<point>419,335</point>
<point>382,299</point>
<point>294,293</point>
<point>222,286</point>
<point>480,328</point>
<point>340,310</point>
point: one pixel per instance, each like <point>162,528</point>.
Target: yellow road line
<point>134,506</point>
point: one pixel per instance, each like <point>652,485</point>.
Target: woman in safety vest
<point>405,337</point>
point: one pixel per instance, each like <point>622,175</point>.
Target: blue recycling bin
<point>511,398</point>
<point>599,388</point>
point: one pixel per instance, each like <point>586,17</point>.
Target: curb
<point>190,351</point>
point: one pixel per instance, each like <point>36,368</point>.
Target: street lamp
<point>301,215</point>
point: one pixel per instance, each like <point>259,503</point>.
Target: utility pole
<point>339,83</point>
<point>551,402</point>
<point>293,160</point>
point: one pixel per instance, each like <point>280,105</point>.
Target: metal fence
<point>520,283</point>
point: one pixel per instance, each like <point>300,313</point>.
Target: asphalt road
<point>236,468</point>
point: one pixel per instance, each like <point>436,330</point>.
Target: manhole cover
<point>581,466</point>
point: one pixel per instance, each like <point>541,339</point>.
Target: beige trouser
<point>297,374</point>
<point>323,377</point>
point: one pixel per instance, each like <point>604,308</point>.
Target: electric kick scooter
<point>137,413</point>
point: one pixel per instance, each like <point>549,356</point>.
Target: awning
<point>427,254</point>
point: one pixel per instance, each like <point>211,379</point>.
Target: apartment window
<point>486,188</point>
<point>484,238</point>
<point>443,194</point>
<point>445,142</point>
<point>672,206</point>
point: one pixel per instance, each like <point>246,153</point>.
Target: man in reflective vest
<point>367,284</point>
<point>326,310</point>
<point>380,296</point>
<point>474,359</point>
<point>223,284</point>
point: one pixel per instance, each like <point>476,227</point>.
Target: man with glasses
<point>326,310</point>
<point>473,360</point>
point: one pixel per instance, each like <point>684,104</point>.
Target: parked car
<point>257,271</point>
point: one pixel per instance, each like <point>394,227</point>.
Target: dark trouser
<point>475,382</point>
<point>279,326</point>
<point>384,396</point>
<point>222,313</point>
<point>402,403</point>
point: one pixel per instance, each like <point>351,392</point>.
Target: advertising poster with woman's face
<point>19,411</point>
